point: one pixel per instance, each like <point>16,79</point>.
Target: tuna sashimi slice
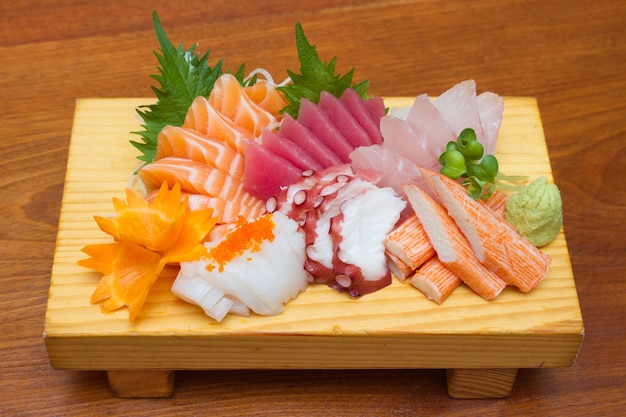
<point>287,149</point>
<point>187,143</point>
<point>266,172</point>
<point>204,118</point>
<point>451,246</point>
<point>297,133</point>
<point>369,120</point>
<point>341,118</point>
<point>496,243</point>
<point>314,119</point>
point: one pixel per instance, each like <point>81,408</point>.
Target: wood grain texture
<point>571,56</point>
<point>396,327</point>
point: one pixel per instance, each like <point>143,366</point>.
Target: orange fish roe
<point>246,236</point>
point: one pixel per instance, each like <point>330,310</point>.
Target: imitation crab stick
<point>187,143</point>
<point>452,248</point>
<point>398,268</point>
<point>435,280</point>
<point>494,241</point>
<point>409,242</point>
<point>229,98</point>
<point>204,118</point>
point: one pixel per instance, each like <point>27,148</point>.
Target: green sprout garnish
<point>465,159</point>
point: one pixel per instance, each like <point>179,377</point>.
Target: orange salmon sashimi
<point>187,143</point>
<point>195,178</point>
<point>226,211</point>
<point>265,94</point>
<point>204,118</point>
<point>229,98</point>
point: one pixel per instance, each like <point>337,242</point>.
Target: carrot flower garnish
<point>147,236</point>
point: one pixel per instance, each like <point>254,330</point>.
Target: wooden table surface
<point>571,56</point>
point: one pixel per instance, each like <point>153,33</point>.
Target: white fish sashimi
<point>459,107</point>
<point>409,140</point>
<point>491,111</point>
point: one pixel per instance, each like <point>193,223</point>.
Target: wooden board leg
<point>480,383</point>
<point>141,384</point>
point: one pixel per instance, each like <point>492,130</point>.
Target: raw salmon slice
<point>186,143</point>
<point>265,94</point>
<point>229,98</point>
<point>204,118</point>
<point>196,178</point>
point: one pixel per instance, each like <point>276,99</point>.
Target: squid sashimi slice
<point>287,149</point>
<point>226,211</point>
<point>451,246</point>
<point>262,277</point>
<point>364,222</point>
<point>496,243</point>
<point>369,120</point>
<point>408,140</point>
<point>187,143</point>
<point>195,178</point>
<point>229,98</point>
<point>315,120</point>
<point>340,117</point>
<point>491,111</point>
<point>204,118</point>
<point>429,119</point>
<point>459,107</point>
<point>265,94</point>
<point>192,288</point>
<point>307,140</point>
<point>266,172</point>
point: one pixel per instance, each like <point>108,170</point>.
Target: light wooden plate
<point>396,327</point>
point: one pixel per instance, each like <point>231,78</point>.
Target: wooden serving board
<point>481,343</point>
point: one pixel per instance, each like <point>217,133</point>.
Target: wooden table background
<point>570,55</point>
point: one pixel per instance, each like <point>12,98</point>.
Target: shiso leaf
<point>183,76</point>
<point>315,76</point>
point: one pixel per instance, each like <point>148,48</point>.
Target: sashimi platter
<point>239,220</point>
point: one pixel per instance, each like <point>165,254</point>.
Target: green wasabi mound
<point>536,211</point>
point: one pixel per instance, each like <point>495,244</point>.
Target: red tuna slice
<point>297,133</point>
<point>340,116</point>
<point>368,119</point>
<point>289,150</point>
<point>312,117</point>
<point>265,172</point>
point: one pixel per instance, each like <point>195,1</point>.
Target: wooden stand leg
<point>141,384</point>
<point>480,383</point>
